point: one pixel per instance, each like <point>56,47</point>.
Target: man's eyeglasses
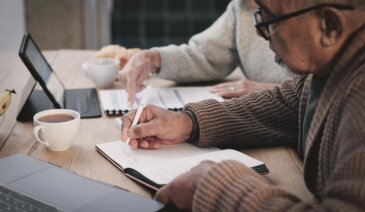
<point>263,26</point>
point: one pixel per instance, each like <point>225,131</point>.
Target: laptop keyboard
<point>14,201</point>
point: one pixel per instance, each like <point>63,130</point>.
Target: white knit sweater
<point>214,53</point>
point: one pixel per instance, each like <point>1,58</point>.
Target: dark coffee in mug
<point>56,118</point>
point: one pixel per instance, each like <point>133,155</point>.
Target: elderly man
<point>323,113</point>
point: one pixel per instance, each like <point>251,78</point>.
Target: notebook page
<point>126,157</point>
<point>164,173</point>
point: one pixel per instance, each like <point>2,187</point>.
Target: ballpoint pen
<point>140,109</point>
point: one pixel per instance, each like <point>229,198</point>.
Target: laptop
<point>53,93</point>
<point>46,187</point>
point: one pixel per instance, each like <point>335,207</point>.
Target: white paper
<point>171,97</point>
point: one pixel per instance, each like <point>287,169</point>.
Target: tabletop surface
<point>286,169</point>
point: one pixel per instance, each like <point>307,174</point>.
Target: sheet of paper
<point>126,157</point>
<point>172,97</point>
<point>163,173</point>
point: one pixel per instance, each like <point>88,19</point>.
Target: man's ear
<point>331,25</point>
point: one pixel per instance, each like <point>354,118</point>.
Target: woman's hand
<point>135,72</point>
<point>239,88</point>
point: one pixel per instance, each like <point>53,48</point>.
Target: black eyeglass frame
<point>276,19</point>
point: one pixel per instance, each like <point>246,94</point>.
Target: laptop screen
<point>36,59</point>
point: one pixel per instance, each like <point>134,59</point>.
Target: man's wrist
<point>194,135</point>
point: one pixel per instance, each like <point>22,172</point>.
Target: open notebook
<point>155,168</point>
<point>114,102</point>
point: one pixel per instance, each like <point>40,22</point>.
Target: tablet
<point>84,101</point>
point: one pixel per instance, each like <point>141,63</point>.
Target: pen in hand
<point>140,109</point>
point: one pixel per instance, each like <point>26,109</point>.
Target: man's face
<point>292,40</point>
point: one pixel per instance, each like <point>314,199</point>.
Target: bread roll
<point>125,56</point>
<point>109,51</point>
<point>117,52</point>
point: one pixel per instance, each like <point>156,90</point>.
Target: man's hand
<point>156,126</point>
<point>180,191</point>
<point>135,72</point>
<point>239,88</point>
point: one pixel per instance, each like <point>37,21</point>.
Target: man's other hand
<point>180,191</point>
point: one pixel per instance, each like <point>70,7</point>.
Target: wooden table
<point>286,169</point>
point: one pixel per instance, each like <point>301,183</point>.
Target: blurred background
<point>91,24</point>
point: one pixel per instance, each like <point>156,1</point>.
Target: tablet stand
<point>37,101</point>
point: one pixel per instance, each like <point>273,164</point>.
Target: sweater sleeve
<point>269,117</point>
<point>210,55</point>
<point>231,186</point>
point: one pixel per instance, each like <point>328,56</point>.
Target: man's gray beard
<point>281,63</point>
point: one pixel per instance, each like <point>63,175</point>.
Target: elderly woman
<point>212,55</point>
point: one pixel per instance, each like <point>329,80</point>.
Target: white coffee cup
<point>56,128</point>
<point>102,71</point>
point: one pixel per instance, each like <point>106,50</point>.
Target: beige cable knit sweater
<point>213,54</point>
<point>334,152</point>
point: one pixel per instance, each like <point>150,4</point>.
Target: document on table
<point>114,102</point>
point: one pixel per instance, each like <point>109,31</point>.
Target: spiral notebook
<point>114,102</point>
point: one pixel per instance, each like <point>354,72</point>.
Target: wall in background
<point>97,22</point>
<point>55,24</point>
<point>91,24</point>
<point>69,24</point>
<point>12,24</point>
<point>148,23</point>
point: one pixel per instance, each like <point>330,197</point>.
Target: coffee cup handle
<point>36,135</point>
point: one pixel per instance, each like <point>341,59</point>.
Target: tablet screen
<point>44,70</point>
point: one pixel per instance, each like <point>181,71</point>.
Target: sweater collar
<point>345,64</point>
<point>344,70</point>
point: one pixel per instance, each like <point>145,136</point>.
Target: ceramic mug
<point>56,128</point>
<point>102,71</point>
